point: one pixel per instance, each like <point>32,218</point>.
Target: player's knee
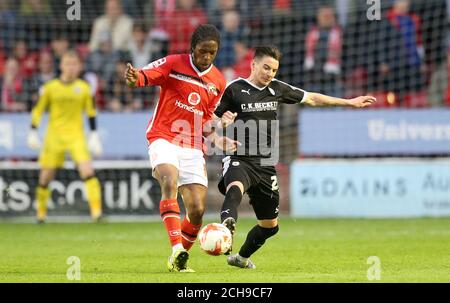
<point>169,184</point>
<point>88,177</point>
<point>195,212</point>
<point>235,184</point>
<point>234,193</point>
<point>44,182</point>
<point>86,171</point>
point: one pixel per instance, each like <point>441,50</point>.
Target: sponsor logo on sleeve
<point>155,64</point>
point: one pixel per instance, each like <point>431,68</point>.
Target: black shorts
<point>260,183</point>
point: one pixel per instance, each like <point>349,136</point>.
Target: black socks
<point>233,198</point>
<point>256,237</point>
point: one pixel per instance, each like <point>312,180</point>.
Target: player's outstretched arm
<point>131,75</point>
<point>315,99</point>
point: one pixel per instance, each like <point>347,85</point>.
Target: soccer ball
<point>215,239</point>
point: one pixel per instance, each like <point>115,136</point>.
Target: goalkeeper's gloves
<point>33,140</point>
<point>94,144</point>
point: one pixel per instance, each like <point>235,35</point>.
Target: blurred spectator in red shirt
<point>2,62</point>
<point>163,8</point>
<point>181,23</point>
<point>243,66</point>
<point>323,54</point>
<point>12,97</point>
<point>45,72</point>
<point>27,60</point>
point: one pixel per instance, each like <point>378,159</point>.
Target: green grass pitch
<point>305,250</point>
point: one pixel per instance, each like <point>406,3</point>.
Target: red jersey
<point>187,101</point>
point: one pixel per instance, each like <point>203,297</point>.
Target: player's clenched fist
<point>131,75</point>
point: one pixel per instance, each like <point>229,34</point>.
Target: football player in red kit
<point>191,87</point>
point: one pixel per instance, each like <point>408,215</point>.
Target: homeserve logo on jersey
<point>193,99</point>
<point>191,109</point>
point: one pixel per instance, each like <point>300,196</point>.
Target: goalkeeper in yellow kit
<point>66,98</point>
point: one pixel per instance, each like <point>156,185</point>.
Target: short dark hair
<point>71,53</point>
<point>268,50</point>
<point>205,32</point>
<point>140,26</point>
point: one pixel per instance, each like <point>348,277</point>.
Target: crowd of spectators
<point>328,46</point>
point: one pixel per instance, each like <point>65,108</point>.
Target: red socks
<point>179,233</point>
<point>189,233</point>
<point>170,214</point>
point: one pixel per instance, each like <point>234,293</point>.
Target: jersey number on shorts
<point>274,183</point>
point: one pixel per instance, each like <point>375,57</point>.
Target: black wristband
<point>92,123</point>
